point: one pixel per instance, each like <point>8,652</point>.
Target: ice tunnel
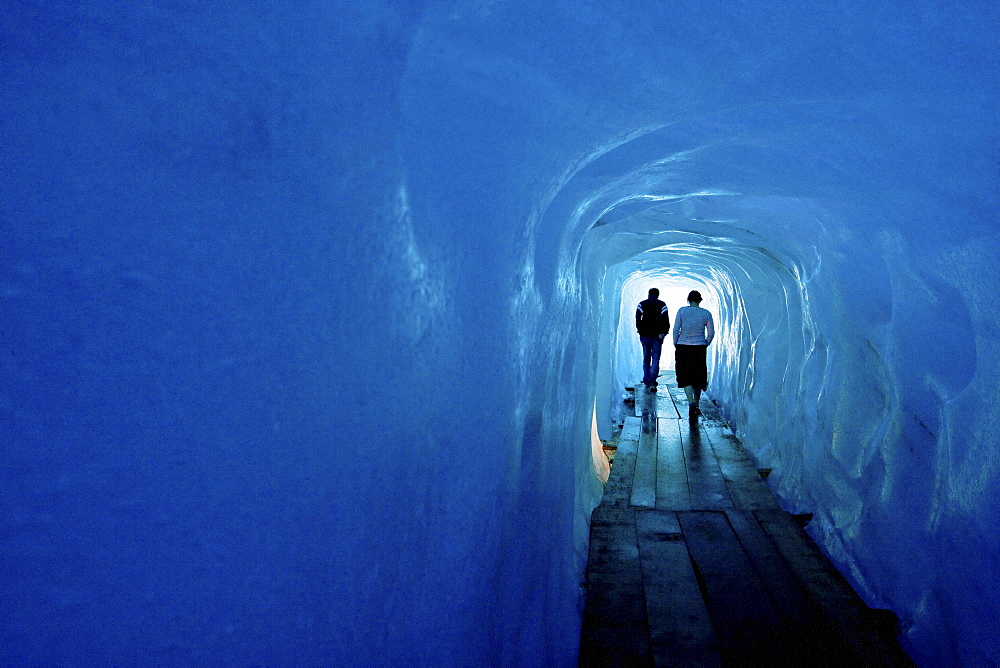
<point>308,310</point>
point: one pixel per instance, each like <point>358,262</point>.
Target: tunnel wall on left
<point>258,404</point>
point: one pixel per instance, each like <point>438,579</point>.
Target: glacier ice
<point>308,310</point>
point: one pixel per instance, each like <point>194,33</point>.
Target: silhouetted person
<point>652,321</point>
<point>693,331</point>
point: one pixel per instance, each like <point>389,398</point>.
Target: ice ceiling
<point>307,309</point>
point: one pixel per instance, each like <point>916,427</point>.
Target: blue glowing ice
<point>307,308</point>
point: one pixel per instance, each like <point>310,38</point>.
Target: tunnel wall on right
<point>860,367</point>
<point>862,371</point>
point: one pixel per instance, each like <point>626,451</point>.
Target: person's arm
<point>677,325</point>
<point>709,329</point>
<point>665,312</point>
<point>638,316</point>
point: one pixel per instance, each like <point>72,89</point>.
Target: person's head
<point>694,296</point>
<point>654,293</point>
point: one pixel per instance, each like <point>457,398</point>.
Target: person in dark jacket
<point>652,321</point>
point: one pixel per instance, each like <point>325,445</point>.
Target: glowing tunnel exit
<point>757,290</point>
<point>626,349</point>
<point>673,292</point>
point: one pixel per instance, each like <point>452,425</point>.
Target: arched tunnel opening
<point>309,312</point>
<point>796,369</point>
<point>763,375</point>
<point>759,296</point>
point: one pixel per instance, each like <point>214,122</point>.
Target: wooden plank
<point>810,639</point>
<point>843,611</point>
<point>645,403</point>
<point>771,595</point>
<point>644,480</point>
<point>785,590</point>
<point>679,399</point>
<point>747,626</point>
<point>630,430</point>
<point>614,552</point>
<point>648,416</point>
<point>665,407</point>
<point>618,489</point>
<point>746,488</point>
<point>680,631</point>
<point>706,484</point>
<point>615,628</point>
<point>613,634</point>
<point>671,474</point>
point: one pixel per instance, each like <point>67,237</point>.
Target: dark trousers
<point>651,348</point>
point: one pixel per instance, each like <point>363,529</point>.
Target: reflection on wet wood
<point>693,563</point>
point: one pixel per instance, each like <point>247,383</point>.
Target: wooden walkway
<point>692,562</point>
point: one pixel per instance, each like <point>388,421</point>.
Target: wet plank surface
<point>693,563</point>
<point>618,489</point>
<point>644,480</point>
<point>672,491</point>
<point>745,622</point>
<point>615,627</point>
<point>679,626</point>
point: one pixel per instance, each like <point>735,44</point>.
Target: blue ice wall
<point>306,306</point>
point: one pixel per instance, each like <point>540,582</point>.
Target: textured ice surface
<point>306,308</point>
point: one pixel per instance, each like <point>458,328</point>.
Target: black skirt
<point>692,369</point>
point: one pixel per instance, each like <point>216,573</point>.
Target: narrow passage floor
<point>692,562</point>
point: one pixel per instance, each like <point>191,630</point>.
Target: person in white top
<point>694,330</point>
